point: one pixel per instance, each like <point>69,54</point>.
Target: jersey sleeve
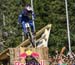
<point>20,17</point>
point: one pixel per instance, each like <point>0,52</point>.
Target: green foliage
<point>47,11</point>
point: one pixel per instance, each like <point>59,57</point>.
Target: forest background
<point>47,12</point>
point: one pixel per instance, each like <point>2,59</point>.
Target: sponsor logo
<point>28,53</point>
<point>29,56</point>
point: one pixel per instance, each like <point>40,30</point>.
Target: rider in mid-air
<point>24,17</point>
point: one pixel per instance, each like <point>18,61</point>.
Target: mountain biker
<point>24,17</point>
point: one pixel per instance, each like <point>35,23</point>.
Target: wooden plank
<point>4,54</point>
<point>4,51</point>
<point>22,50</point>
<point>12,54</point>
<point>17,54</point>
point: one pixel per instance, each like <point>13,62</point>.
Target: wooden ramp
<point>38,34</point>
<point>5,54</point>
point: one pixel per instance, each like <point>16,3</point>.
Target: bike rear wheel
<point>31,38</point>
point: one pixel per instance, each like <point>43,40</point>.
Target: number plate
<point>27,25</point>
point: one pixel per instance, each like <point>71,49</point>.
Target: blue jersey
<point>24,16</point>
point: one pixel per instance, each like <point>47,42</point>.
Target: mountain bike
<point>30,34</point>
